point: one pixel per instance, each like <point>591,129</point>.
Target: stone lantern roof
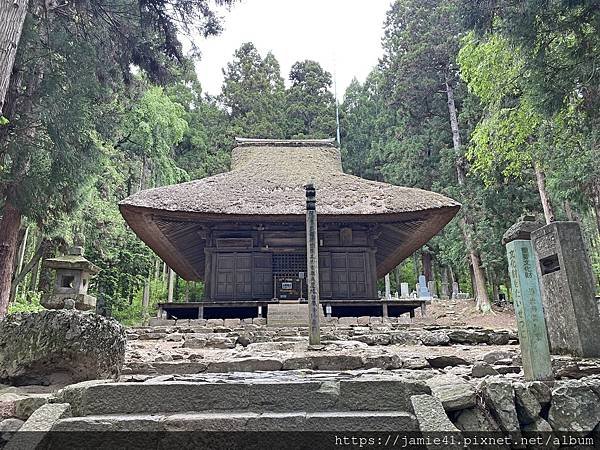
<point>73,261</point>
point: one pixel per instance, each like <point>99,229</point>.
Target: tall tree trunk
<point>145,301</point>
<point>17,278</point>
<point>544,197</point>
<point>33,263</point>
<point>35,270</point>
<point>496,291</point>
<point>10,225</point>
<point>417,270</point>
<point>157,262</point>
<point>170,285</point>
<point>596,203</point>
<point>45,278</point>
<point>12,17</point>
<point>186,292</point>
<point>482,299</point>
<point>427,265</point>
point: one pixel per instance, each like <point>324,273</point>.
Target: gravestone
<point>445,294</point>
<point>404,292</point>
<point>455,289</point>
<point>422,287</point>
<point>432,288</point>
<point>568,290</point>
<point>525,286</point>
<point>388,287</point>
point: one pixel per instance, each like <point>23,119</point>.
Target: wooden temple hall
<point>243,232</point>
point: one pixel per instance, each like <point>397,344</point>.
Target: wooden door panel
<point>243,275</point>
<point>225,276</point>
<point>325,290</point>
<point>349,275</point>
<point>262,282</point>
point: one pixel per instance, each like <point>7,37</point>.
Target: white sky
<point>342,35</point>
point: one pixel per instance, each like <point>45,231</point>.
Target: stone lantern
<point>73,274</point>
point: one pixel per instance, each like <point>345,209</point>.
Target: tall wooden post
<point>312,262</point>
<point>533,335</point>
<point>146,300</point>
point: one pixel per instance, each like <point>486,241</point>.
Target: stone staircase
<point>296,403</point>
<point>289,314</point>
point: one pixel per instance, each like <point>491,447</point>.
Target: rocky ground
<point>474,373</point>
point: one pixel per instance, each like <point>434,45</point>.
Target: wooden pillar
<point>145,300</point>
<point>527,297</point>
<point>312,262</point>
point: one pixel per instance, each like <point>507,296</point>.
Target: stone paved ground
<point>472,373</point>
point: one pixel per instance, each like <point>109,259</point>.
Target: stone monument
<point>568,290</point>
<point>533,339</point>
<point>404,292</point>
<point>455,290</point>
<point>422,287</point>
<point>73,274</point>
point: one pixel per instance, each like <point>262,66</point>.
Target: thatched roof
<point>267,181</point>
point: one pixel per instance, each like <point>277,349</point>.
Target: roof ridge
<point>329,142</point>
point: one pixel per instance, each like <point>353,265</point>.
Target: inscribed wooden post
<point>533,337</point>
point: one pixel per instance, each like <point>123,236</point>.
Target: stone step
<point>289,315</point>
<point>353,394</point>
<point>243,421</point>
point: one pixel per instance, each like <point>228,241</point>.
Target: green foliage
<point>253,93</point>
<point>29,302</point>
<point>310,103</point>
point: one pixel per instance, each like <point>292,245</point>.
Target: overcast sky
<point>342,35</point>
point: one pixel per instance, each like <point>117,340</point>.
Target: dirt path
<point>463,313</point>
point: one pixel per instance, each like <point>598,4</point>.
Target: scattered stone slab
<point>499,338</point>
<point>297,363</point>
<point>336,362</point>
<point>434,338</point>
<point>475,419</point>
<point>389,362</point>
<point>174,337</point>
<point>245,365</point>
<point>453,392</point>
<point>152,336</point>
<point>482,369</point>
<point>33,432</point>
<point>380,395</point>
<point>499,397</point>
<point>416,363</point>
<point>9,426</point>
<point>374,339</point>
<point>503,370</point>
<point>541,390</point>
<point>25,406</point>
<point>497,355</point>
<point>442,361</point>
<point>431,416</point>
<point>404,337</point>
<point>575,407</point>
<point>527,405</point>
<point>468,337</point>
